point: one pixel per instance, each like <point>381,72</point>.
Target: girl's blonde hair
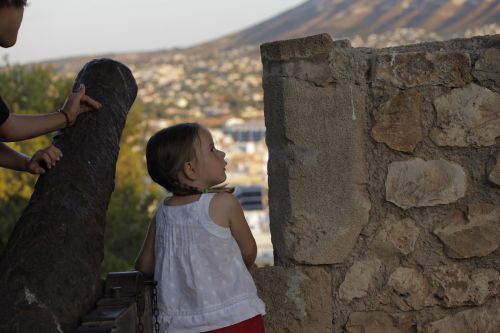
<point>166,153</point>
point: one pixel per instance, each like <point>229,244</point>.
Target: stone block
<point>473,234</point>
<point>298,299</point>
<point>315,121</point>
<point>419,183</point>
<point>395,237</point>
<point>287,50</point>
<point>455,286</point>
<point>359,279</point>
<point>485,319</point>
<point>487,69</point>
<point>398,122</point>
<point>449,286</point>
<point>494,172</point>
<point>380,322</point>
<point>467,117</point>
<point>413,69</point>
<point>410,290</point>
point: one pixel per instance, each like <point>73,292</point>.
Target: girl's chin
<point>221,182</point>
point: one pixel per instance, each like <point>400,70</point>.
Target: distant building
<point>250,197</point>
<point>248,131</point>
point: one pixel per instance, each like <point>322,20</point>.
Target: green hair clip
<point>205,190</point>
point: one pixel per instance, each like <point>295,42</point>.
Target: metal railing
<point>126,307</point>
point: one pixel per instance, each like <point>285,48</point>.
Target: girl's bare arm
<point>239,227</point>
<point>145,262</point>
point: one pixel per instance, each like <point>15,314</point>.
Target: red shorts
<point>252,325</point>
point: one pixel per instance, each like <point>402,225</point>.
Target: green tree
<point>133,199</point>
<point>36,89</point>
<point>26,90</point>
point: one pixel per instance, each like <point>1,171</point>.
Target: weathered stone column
<point>50,270</point>
<point>316,119</point>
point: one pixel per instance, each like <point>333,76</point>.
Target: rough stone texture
<point>419,183</point>
<point>314,113</point>
<point>298,299</point>
<point>320,101</point>
<point>494,173</point>
<point>398,123</point>
<point>487,69</point>
<point>379,322</point>
<point>485,319</point>
<point>447,285</point>
<point>359,279</point>
<point>395,237</point>
<point>410,290</point>
<point>468,116</point>
<point>454,286</point>
<point>412,69</point>
<point>474,234</point>
<point>51,265</point>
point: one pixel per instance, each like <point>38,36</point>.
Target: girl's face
<point>210,163</point>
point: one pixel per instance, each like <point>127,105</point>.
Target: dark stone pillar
<point>50,270</point>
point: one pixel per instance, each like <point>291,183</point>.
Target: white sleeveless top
<point>203,283</point>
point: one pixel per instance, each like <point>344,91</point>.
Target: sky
<point>54,29</point>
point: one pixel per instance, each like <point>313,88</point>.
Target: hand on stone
<point>43,159</point>
<point>77,102</point>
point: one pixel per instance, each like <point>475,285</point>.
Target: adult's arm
<point>11,159</point>
<point>22,127</point>
<point>42,159</point>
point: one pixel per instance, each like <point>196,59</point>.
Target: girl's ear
<point>189,171</point>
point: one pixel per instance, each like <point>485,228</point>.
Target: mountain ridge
<point>370,23</point>
<point>361,18</point>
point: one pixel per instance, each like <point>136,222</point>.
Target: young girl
<point>198,245</point>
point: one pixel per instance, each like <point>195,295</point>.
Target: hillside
<point>370,23</point>
<point>442,19</point>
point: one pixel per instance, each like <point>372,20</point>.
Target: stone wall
<point>384,186</point>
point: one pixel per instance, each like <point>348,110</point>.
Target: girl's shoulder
<point>224,200</point>
<point>222,207</point>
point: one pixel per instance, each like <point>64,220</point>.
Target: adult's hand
<point>77,103</point>
<point>43,159</point>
